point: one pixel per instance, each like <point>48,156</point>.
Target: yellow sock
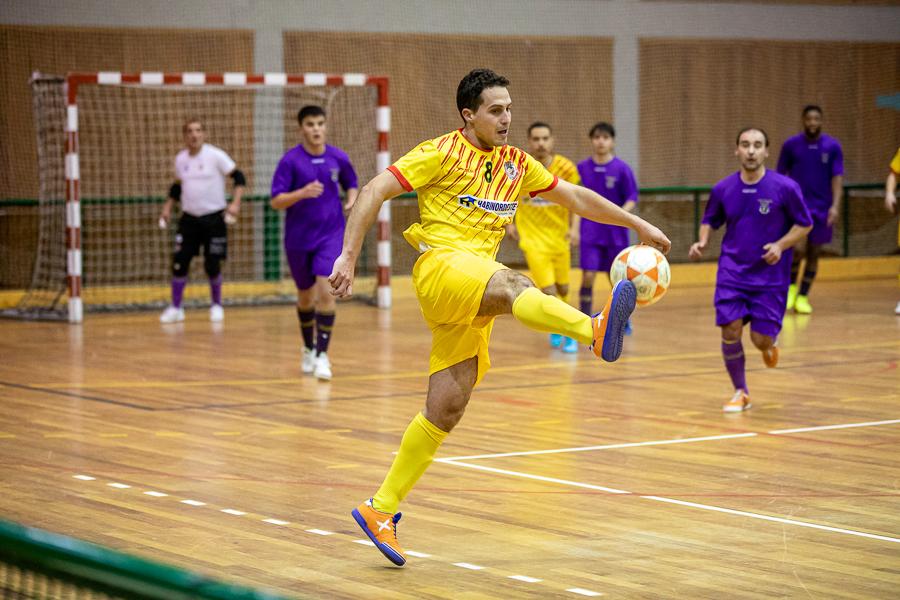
<point>417,450</point>
<point>537,310</point>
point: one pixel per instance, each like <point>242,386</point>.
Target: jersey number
<point>488,168</point>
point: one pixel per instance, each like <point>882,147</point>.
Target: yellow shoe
<point>791,297</point>
<point>381,527</point>
<point>738,403</point>
<point>802,306</point>
<point>770,357</point>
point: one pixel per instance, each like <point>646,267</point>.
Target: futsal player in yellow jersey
<point>890,198</point>
<point>542,227</point>
<point>469,182</point>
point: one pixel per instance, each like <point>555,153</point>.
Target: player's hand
<point>232,213</point>
<point>350,203</point>
<point>773,253</point>
<point>653,236</point>
<point>890,202</point>
<point>341,277</point>
<point>165,217</point>
<point>313,189</point>
<point>696,251</point>
<point>832,216</point>
<point>512,232</point>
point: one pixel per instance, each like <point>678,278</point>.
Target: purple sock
<point>733,353</point>
<point>307,320</point>
<point>586,296</point>
<point>215,289</point>
<point>178,284</point>
<point>324,324</point>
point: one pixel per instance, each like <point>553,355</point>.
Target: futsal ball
<point>647,268</point>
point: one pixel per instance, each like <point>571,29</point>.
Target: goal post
<point>122,131</point>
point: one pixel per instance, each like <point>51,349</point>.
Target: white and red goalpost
<point>133,114</point>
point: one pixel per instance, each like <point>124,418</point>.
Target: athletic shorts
<point>208,232</point>
<point>319,261</point>
<point>763,309</point>
<point>450,285</point>
<point>598,257</point>
<point>821,232</point>
<point>547,269</point>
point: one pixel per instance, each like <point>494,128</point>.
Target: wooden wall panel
<point>696,94</point>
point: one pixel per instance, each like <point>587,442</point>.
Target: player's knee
<point>587,278</point>
<point>562,290</point>
<point>181,264</point>
<point>516,283</point>
<point>761,341</point>
<point>212,265</point>
<point>731,333</point>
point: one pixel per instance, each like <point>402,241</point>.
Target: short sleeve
<point>895,163</point>
<point>175,168</point>
<point>418,166</point>
<point>714,216</point>
<point>347,173</point>
<point>837,160</point>
<point>283,179</point>
<point>784,159</point>
<point>629,186</point>
<point>796,206</point>
<point>224,162</point>
<point>537,178</point>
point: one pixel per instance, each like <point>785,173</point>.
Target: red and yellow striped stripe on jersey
<point>544,225</point>
<point>467,195</point>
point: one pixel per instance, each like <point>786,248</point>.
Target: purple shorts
<point>821,231</point>
<point>307,264</point>
<point>598,257</point>
<point>763,309</point>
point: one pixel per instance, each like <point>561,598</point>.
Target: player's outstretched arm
<point>365,211</point>
<point>697,248</point>
<point>890,195</point>
<point>588,203</point>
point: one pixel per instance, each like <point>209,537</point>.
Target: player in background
<point>307,185</point>
<point>200,171</point>
<point>542,227</point>
<point>764,215</point>
<point>815,161</point>
<point>890,198</point>
<point>469,182</point>
<point>600,243</point>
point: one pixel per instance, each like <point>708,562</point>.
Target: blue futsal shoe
<point>570,346</point>
<point>609,324</point>
<point>556,340</point>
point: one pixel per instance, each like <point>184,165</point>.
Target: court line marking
<point>827,427</point>
<point>409,374</point>
<point>670,441</point>
<point>364,542</point>
<point>604,447</point>
<point>679,502</point>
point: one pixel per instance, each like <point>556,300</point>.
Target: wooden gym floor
<point>204,447</point>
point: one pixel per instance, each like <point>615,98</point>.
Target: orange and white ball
<point>648,270</point>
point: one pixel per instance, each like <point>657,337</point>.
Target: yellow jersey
<point>895,163</point>
<point>467,195</point>
<point>544,225</point>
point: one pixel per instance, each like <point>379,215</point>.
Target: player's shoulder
<point>563,161</point>
<point>336,152</point>
<point>782,181</point>
<point>620,164</point>
<point>831,140</point>
<point>726,183</point>
<point>182,155</point>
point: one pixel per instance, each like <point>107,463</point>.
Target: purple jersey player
<point>306,185</point>
<point>613,179</point>
<point>816,162</point>
<point>764,215</point>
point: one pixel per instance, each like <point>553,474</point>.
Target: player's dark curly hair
<point>468,94</point>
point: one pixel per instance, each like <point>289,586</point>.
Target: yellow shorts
<point>549,269</point>
<point>450,285</point>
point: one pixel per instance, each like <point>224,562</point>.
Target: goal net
<point>106,146</point>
